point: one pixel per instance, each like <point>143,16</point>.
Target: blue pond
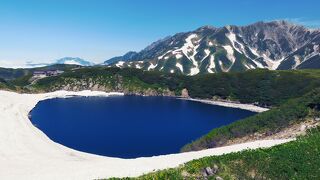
<point>129,126</point>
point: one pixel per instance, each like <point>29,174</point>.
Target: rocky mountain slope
<point>272,45</point>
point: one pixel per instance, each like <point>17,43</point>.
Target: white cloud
<point>11,64</point>
<point>20,64</point>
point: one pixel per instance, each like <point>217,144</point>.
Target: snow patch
<point>296,61</point>
<point>272,64</point>
<point>212,64</point>
<point>233,39</point>
<point>254,51</point>
<point>230,53</point>
<point>178,65</point>
<point>221,66</point>
<point>258,63</point>
<point>207,52</point>
<point>152,66</point>
<point>120,63</point>
<point>187,48</point>
<point>161,57</point>
<point>179,56</point>
<point>72,62</point>
<point>276,64</point>
<point>246,66</point>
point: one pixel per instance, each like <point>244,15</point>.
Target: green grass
<point>298,159</point>
<point>294,95</point>
<point>272,121</point>
<point>267,88</point>
<point>112,79</point>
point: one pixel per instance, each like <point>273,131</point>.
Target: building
<point>39,74</point>
<point>42,74</point>
<point>53,72</point>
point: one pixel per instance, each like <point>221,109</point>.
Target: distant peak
<point>74,60</point>
<point>206,27</point>
<point>283,23</point>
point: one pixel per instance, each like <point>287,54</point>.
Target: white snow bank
<point>120,63</point>
<point>212,64</point>
<point>152,66</point>
<point>249,107</point>
<point>27,153</point>
<point>178,65</point>
<point>230,53</point>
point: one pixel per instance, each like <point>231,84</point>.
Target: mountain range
<point>272,45</point>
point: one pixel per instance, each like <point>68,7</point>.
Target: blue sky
<point>44,30</point>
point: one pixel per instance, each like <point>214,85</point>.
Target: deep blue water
<point>129,126</point>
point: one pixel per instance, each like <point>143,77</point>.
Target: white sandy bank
<point>249,107</point>
<point>27,153</point>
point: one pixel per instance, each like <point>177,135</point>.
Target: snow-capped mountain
<point>271,45</point>
<point>74,61</point>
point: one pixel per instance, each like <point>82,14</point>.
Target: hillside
<point>11,74</point>
<point>294,111</point>
<point>270,45</point>
<point>294,160</point>
<point>263,87</point>
<point>293,95</point>
<point>298,159</point>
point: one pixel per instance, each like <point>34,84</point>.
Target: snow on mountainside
<point>271,45</point>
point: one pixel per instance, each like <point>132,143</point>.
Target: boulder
<point>215,168</point>
<point>209,171</point>
<point>303,127</point>
<point>204,173</point>
<point>185,93</point>
<point>219,178</point>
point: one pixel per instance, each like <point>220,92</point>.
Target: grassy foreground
<point>298,159</point>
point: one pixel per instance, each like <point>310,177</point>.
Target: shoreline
<point>249,107</point>
<point>26,152</point>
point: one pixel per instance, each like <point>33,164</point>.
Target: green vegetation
<point>12,74</point>
<point>263,87</point>
<point>298,159</point>
<point>110,79</point>
<point>269,122</point>
<point>270,88</point>
<point>293,95</point>
<point>5,85</point>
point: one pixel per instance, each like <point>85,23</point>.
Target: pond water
<point>129,126</point>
